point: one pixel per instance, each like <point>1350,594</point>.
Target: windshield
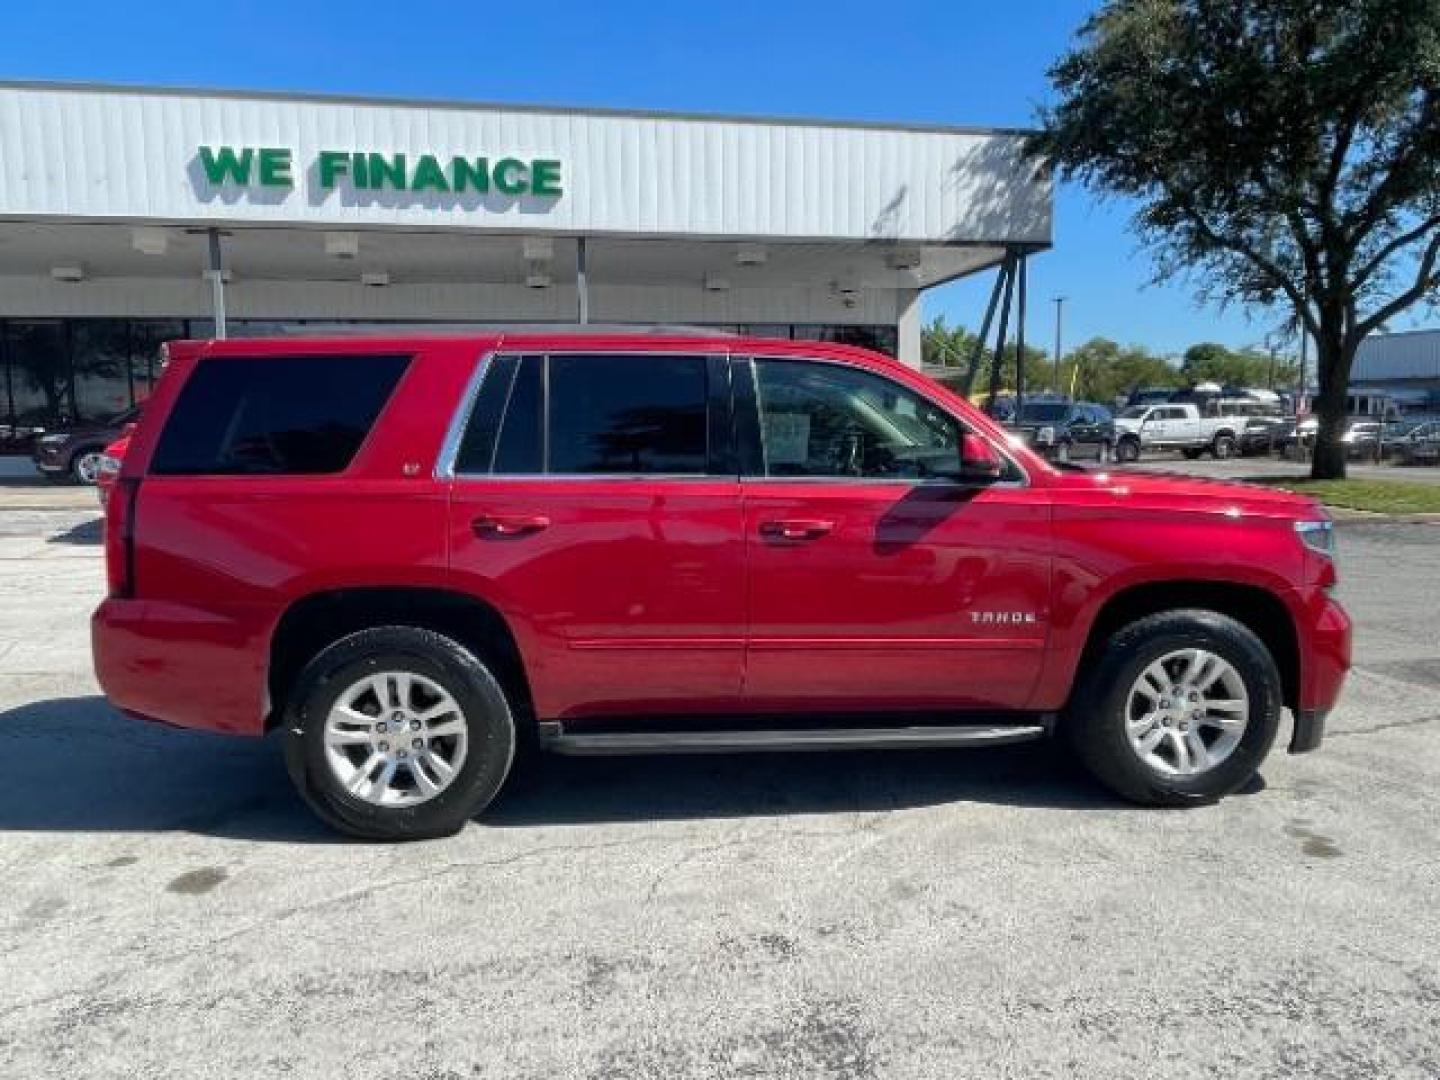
<point>1045,412</point>
<point>1134,412</point>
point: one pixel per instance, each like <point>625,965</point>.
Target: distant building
<point>1404,367</point>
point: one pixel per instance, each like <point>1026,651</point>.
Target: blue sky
<point>956,62</point>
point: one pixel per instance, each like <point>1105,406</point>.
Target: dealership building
<point>130,216</point>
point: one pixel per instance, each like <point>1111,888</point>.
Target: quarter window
<point>828,420</point>
<point>280,415</point>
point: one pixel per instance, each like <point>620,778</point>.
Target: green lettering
<point>510,176</point>
<point>387,170</point>
<point>545,178</point>
<point>475,174</point>
<point>275,167</point>
<point>333,164</point>
<point>359,170</point>
<point>224,164</point>
<point>428,175</point>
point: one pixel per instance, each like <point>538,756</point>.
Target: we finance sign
<point>275,170</point>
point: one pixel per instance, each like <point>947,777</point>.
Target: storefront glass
<point>59,371</point>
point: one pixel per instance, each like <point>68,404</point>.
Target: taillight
<point>120,538</point>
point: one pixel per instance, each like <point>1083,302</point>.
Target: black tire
<point>1095,720</point>
<point>1062,450</point>
<point>1191,454</point>
<point>1223,447</point>
<point>1127,451</point>
<point>486,711</point>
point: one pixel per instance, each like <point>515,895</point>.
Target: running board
<point>555,738</point>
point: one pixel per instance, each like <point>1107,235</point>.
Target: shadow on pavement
<point>86,533</point>
<point>89,768</point>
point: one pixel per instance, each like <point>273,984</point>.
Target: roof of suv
<point>562,341</point>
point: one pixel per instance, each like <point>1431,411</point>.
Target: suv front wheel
<point>398,733</point>
<point>1181,709</point>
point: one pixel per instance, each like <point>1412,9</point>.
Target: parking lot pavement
<point>172,910</point>
<point>1245,468</point>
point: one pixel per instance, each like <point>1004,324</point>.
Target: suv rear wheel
<point>398,733</point>
<point>1181,709</point>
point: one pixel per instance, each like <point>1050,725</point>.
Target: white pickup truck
<point>1174,425</point>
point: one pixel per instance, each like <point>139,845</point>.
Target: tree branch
<point>1403,240</point>
<point>1425,281</point>
<point>1264,265</point>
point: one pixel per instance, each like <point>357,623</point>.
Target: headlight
<point>1318,536</point>
<point>1045,435</point>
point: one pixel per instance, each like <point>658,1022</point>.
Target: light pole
<point>1059,318</point>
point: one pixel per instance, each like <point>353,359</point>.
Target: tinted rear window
<point>282,415</point>
<point>628,414</point>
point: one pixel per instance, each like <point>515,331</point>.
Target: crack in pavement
<point>113,975</point>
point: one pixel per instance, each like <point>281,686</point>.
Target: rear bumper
<point>180,665</point>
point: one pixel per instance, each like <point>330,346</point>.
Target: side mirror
<point>979,463</point>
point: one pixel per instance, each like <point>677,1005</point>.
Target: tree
<point>1286,151</point>
<point>952,347</point>
<point>1103,370</point>
<point>1209,362</point>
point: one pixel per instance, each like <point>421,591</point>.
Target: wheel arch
<point>1263,612</point>
<point>312,622</point>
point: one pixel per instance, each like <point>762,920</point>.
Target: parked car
<point>18,433</point>
<point>1061,429</point>
<point>74,453</point>
<point>1175,426</point>
<point>1362,438</point>
<point>1419,444</point>
<point>1262,433</point>
<point>110,464</point>
<point>409,554</point>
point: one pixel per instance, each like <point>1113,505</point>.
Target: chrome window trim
<point>445,462</point>
<point>1023,482</point>
<point>484,363</point>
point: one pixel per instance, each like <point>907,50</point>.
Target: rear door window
<point>292,415</point>
<point>628,415</point>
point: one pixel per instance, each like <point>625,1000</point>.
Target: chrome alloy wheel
<point>395,739</point>
<point>87,466</point>
<point>1186,713</point>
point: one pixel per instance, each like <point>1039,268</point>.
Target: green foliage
<point>944,346</point>
<point>1284,153</point>
<point>1209,362</point>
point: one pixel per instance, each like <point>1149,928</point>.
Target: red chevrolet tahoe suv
<point>412,555</point>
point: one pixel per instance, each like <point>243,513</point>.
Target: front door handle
<point>508,524</point>
<point>795,529</point>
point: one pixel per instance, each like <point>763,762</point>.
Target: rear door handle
<point>508,524</point>
<point>796,529</point>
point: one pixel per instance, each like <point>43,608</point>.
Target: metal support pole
<point>1059,322</point>
<point>216,274</point>
<point>979,350</point>
<point>582,281</point>
<point>1000,344</point>
<point>1020,338</point>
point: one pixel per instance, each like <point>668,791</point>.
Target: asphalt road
<point>171,910</point>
